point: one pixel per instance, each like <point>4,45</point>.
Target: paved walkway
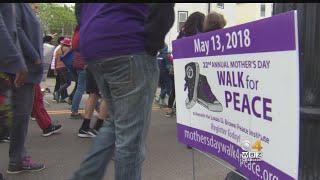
<point>62,153</point>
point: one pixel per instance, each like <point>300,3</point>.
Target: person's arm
<point>53,61</point>
<point>11,60</point>
<point>57,55</point>
<point>159,22</point>
<point>27,48</point>
<point>10,57</point>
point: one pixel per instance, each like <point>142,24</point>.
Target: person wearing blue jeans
<point>79,65</point>
<point>29,36</point>
<point>137,95</point>
<point>127,74</point>
<point>78,94</point>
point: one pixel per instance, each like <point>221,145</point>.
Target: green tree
<point>58,19</point>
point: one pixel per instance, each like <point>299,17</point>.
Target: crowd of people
<point>116,55</point>
<point>196,23</point>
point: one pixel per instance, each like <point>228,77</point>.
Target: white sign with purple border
<point>237,95</point>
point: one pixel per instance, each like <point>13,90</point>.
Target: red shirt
<point>78,62</point>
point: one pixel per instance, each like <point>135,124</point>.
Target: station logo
<point>251,151</point>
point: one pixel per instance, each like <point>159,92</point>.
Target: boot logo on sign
<point>199,90</point>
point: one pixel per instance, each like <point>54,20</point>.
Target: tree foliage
<point>57,18</point>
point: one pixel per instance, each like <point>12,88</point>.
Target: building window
<point>262,10</point>
<point>182,18</point>
<point>220,5</point>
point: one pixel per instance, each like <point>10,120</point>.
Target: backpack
<point>67,59</point>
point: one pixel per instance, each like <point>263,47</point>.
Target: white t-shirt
<point>48,50</point>
<point>53,62</point>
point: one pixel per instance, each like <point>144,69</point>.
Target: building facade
<point>234,13</point>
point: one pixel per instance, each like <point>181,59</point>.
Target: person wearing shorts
<point>92,89</point>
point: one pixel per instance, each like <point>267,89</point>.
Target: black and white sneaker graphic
<point>199,89</point>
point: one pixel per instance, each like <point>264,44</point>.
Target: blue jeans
<point>79,92</point>
<point>128,83</point>
<point>22,100</point>
<point>165,84</point>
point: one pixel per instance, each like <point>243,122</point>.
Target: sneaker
<point>32,119</point>
<point>166,100</point>
<point>98,125</point>
<point>162,102</point>
<point>62,101</point>
<point>56,96</point>
<point>75,116</point>
<point>5,139</point>
<point>169,114</point>
<point>69,101</point>
<point>47,90</point>
<point>87,133</point>
<point>93,131</point>
<point>97,128</point>
<point>51,130</point>
<point>157,99</point>
<point>199,89</point>
<point>27,166</point>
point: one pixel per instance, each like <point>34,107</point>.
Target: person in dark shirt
<point>119,42</point>
<point>11,63</point>
<point>90,86</point>
<point>29,38</point>
<point>192,26</point>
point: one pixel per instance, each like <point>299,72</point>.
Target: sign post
<point>238,95</point>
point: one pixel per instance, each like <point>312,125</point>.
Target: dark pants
<point>5,117</point>
<point>64,93</point>
<point>65,81</point>
<point>172,94</point>
<point>165,84</point>
<point>75,79</point>
<point>5,108</point>
<point>57,85</point>
<point>22,100</point>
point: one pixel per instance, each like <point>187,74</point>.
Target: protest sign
<point>237,95</point>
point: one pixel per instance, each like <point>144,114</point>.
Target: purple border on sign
<point>270,34</point>
<point>264,166</point>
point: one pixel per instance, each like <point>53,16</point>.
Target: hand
<point>38,61</point>
<point>20,78</point>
